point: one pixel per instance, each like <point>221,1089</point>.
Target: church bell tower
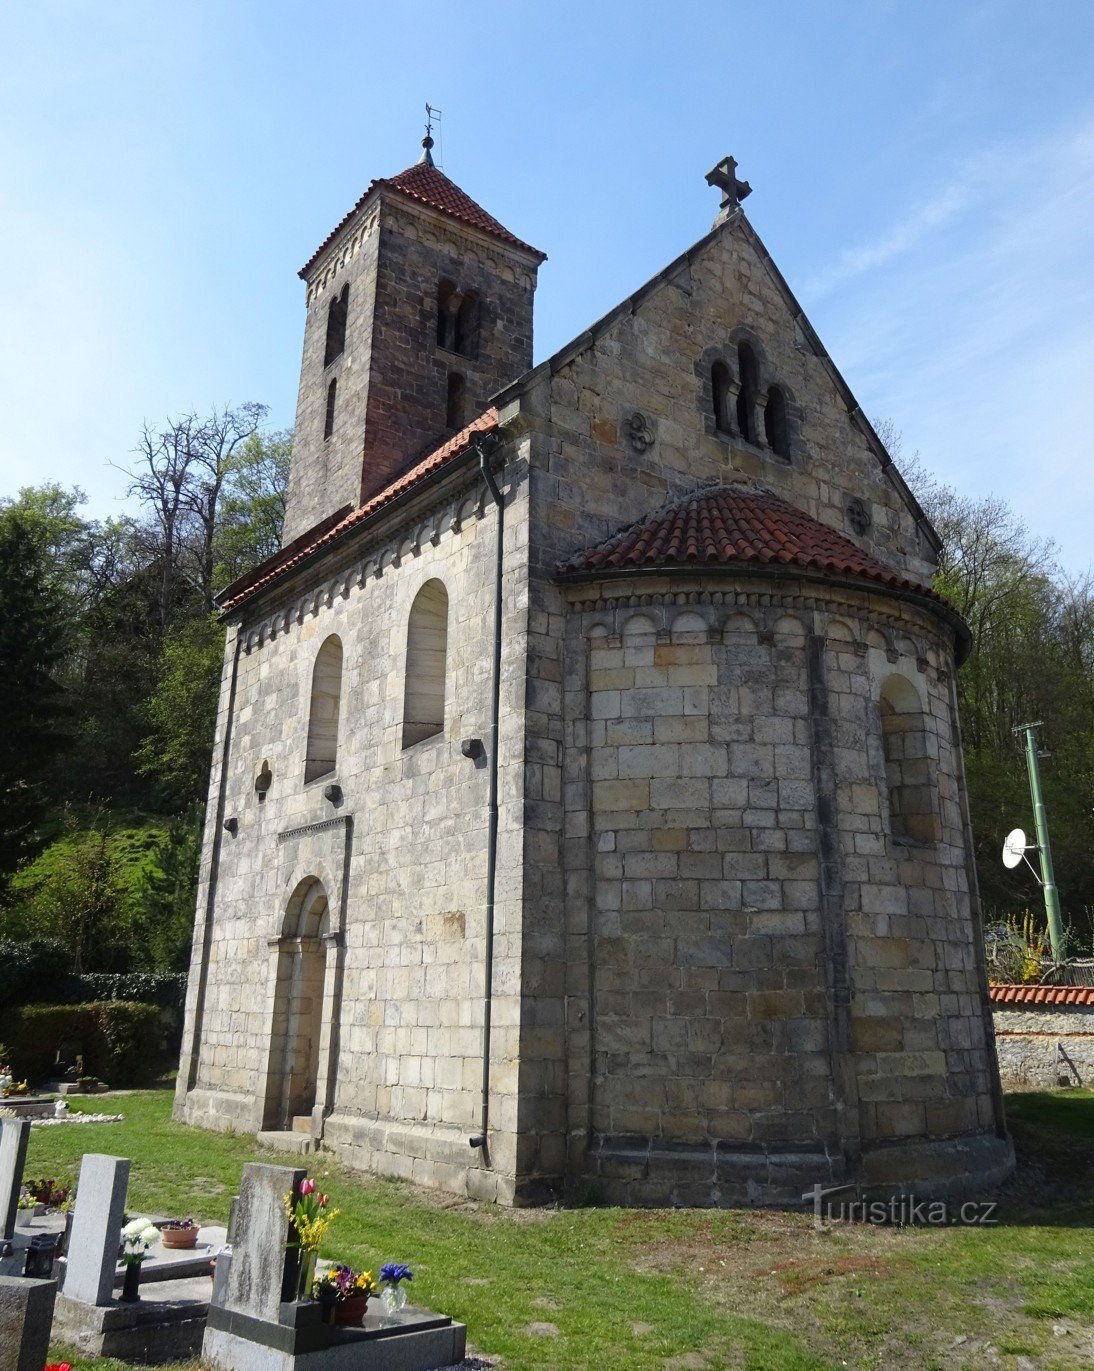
<point>419,308</point>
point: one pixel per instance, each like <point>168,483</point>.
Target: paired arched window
<point>328,417</point>
<point>455,403</point>
<point>776,429</point>
<point>337,314</point>
<point>909,765</point>
<point>457,319</point>
<point>426,664</point>
<point>722,394</point>
<point>326,698</point>
<point>746,396</point>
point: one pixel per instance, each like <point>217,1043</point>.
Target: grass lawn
<point>670,1290</point>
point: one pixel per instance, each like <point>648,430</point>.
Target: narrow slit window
<point>746,396</point>
<point>776,429</point>
<point>326,703</point>
<point>337,315</point>
<point>721,391</point>
<point>328,421</point>
<point>454,407</point>
<point>426,664</point>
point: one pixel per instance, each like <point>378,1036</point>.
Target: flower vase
<point>306,1275</point>
<point>131,1284</point>
<point>394,1301</point>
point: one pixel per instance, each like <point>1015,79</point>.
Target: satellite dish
<point>1014,848</point>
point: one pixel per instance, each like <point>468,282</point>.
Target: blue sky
<point>923,173</point>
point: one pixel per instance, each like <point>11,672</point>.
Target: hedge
<point>39,971</point>
<point>119,1040</point>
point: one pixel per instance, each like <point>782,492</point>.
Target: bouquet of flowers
<point>311,1217</point>
<point>8,1084</point>
<point>47,1190</point>
<point>340,1283</point>
<point>138,1235</point>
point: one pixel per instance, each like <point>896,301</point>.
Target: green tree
<point>252,509</point>
<point>33,635</point>
<point>181,712</point>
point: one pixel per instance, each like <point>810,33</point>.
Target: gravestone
<point>96,1228</point>
<point>14,1135</point>
<point>262,1272</point>
<point>257,1324</point>
<point>26,1319</point>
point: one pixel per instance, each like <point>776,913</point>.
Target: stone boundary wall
<point>1045,1047</point>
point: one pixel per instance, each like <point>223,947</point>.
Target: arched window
<point>326,696</point>
<point>467,326</point>
<point>746,396</point>
<point>328,418</point>
<point>909,765</point>
<point>454,405</point>
<point>776,430</point>
<point>337,315</point>
<point>448,304</point>
<point>426,664</point>
<point>720,388</point>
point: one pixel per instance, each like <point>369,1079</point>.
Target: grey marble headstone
<point>26,1319</point>
<point>96,1228</point>
<point>258,1234</point>
<point>14,1136</point>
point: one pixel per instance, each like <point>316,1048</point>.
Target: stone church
<point>587,810</point>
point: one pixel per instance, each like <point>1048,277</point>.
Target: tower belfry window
<point>458,315</point>
<point>337,314</point>
<point>467,326</point>
<point>448,304</point>
<point>328,421</point>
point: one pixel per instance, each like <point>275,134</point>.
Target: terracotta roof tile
<point>277,566</point>
<point>719,526</point>
<point>432,187</point>
<point>1081,995</point>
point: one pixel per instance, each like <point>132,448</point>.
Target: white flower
<point>133,1227</point>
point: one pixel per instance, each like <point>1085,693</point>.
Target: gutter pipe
<point>484,445</point>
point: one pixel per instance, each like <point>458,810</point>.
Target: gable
<point>632,401</point>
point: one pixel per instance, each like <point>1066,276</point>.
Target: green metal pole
<point>1040,820</point>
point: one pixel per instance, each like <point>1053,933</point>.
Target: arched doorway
<point>297,1027</point>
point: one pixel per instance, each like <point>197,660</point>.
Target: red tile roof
<point>1053,995</point>
<point>719,526</point>
<point>277,566</point>
<point>429,186</point>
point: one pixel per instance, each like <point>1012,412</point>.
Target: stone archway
<point>297,1029</point>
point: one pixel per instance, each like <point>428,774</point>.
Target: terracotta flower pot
<point>181,1239</point>
<point>351,1311</point>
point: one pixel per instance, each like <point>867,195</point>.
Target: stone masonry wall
<point>401,856</point>
<point>1042,1049</point>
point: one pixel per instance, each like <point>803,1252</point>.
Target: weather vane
<point>431,113</point>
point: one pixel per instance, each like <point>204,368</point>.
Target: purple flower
<point>394,1273</point>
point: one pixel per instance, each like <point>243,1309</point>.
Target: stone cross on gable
<point>724,176</point>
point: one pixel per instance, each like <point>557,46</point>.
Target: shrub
<point>119,1040</point>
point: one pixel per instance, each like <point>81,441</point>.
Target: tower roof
<point>430,186</point>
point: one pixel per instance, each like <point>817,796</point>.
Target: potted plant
<point>46,1192</point>
<point>180,1234</point>
<point>138,1235</point>
<point>344,1293</point>
<point>9,1086</point>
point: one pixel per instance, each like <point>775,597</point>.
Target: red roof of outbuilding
<point>1052,995</point>
<point>278,565</point>
<point>425,183</point>
<point>720,526</point>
